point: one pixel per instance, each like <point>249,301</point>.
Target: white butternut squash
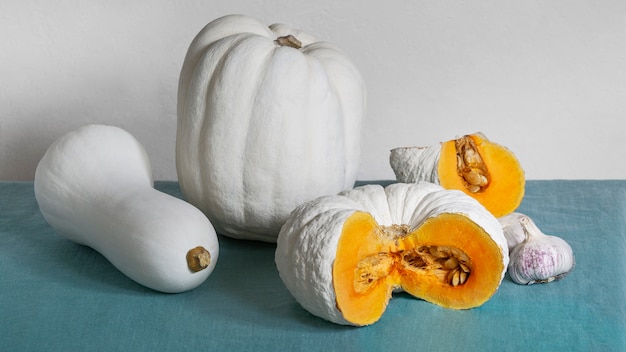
<point>94,187</point>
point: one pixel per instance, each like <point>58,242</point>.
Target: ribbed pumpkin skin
<point>308,242</point>
<point>263,128</point>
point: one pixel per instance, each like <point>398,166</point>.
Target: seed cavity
<point>470,165</point>
<point>450,265</point>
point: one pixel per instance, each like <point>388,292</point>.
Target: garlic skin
<point>540,258</point>
<point>512,229</point>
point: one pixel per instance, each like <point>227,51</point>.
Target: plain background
<point>547,79</point>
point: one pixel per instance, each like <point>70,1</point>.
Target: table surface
<point>56,295</point>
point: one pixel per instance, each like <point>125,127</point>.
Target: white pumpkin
<point>342,256</point>
<point>264,126</point>
<point>94,187</point>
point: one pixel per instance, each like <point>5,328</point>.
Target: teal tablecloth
<point>59,296</point>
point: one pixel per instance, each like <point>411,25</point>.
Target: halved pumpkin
<point>484,170</point>
<point>343,256</point>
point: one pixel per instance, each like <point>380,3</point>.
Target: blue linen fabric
<point>59,296</point>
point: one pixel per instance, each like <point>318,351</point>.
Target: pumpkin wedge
<point>343,256</point>
<point>484,170</point>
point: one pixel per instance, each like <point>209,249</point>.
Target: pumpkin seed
<point>471,157</point>
<point>434,251</point>
<point>473,189</point>
<point>464,267</point>
<point>451,263</point>
<point>475,177</point>
<point>463,277</point>
<point>460,164</point>
<point>455,278</point>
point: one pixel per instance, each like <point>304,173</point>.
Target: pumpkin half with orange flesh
<point>343,256</point>
<point>484,170</point>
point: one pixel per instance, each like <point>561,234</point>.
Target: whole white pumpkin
<point>265,123</point>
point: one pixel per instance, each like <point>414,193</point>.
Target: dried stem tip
<point>198,259</point>
<point>290,41</point>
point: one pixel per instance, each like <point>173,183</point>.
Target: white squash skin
<point>415,164</point>
<point>263,128</point>
<point>307,243</point>
<point>305,253</point>
<point>94,187</point>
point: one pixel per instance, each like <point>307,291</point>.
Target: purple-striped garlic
<point>540,258</point>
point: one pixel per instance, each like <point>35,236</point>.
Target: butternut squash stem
<point>198,259</point>
<point>290,41</point>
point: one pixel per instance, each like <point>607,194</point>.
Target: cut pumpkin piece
<point>484,170</point>
<point>343,256</point>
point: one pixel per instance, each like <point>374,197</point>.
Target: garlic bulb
<point>512,229</point>
<point>539,258</point>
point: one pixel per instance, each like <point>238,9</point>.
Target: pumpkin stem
<point>198,259</point>
<point>290,41</point>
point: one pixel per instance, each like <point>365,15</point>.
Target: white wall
<point>547,79</point>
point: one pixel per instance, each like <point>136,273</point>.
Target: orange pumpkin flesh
<point>397,257</point>
<point>505,190</point>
